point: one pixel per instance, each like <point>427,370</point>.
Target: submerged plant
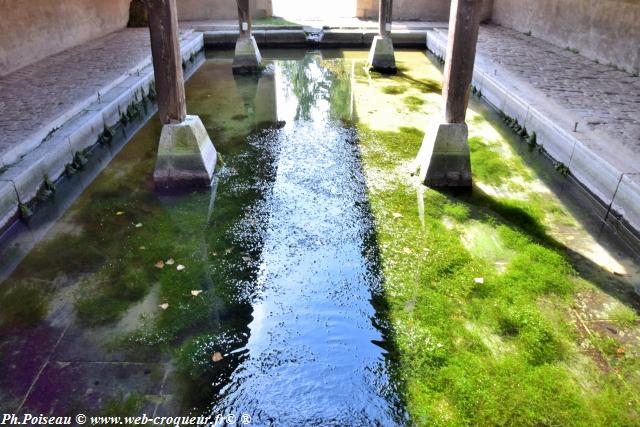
<point>25,211</point>
<point>106,136</point>
<point>562,168</point>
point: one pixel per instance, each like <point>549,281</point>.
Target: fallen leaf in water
<point>479,280</point>
<point>397,215</point>
<point>119,213</point>
<point>196,293</point>
<point>139,225</point>
<point>170,261</point>
<point>164,306</point>
<point>159,264</point>
<point>217,357</point>
<point>406,250</point>
<point>180,267</point>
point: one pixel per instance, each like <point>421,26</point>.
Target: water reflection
<point>254,297</point>
<point>311,354</point>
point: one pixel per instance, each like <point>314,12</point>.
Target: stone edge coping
<point>77,131</point>
<point>29,144</point>
<point>612,175</point>
<point>323,38</point>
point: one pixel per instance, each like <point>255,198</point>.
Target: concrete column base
<point>186,156</point>
<point>381,55</point>
<point>444,158</point>
<point>247,59</point>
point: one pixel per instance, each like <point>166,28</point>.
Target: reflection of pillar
<point>444,156</point>
<point>381,56</point>
<point>186,156</point>
<point>266,102</point>
<point>247,87</point>
<point>247,57</point>
<point>258,95</point>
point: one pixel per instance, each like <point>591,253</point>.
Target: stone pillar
<point>186,156</point>
<point>444,159</point>
<point>247,59</point>
<point>381,56</point>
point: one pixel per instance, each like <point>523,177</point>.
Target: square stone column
<point>444,158</point>
<point>381,56</point>
<point>186,156</point>
<point>247,58</point>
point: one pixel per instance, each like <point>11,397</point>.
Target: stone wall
<point>606,30</point>
<point>198,10</point>
<point>423,10</point>
<point>33,29</point>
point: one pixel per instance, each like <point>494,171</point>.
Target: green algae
<point>394,90</point>
<point>492,353</point>
<point>455,379</point>
<point>413,103</point>
<point>24,304</point>
<point>480,292</point>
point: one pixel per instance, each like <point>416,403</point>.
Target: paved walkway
<point>601,98</point>
<point>38,95</point>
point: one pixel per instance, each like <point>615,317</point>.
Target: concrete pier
<point>186,156</point>
<point>381,55</point>
<point>247,58</point>
<point>444,158</point>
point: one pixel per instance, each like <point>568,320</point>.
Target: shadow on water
<point>263,296</point>
<point>581,206</point>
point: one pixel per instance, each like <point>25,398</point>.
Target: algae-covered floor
<point>318,283</point>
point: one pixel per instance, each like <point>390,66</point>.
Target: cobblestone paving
<point>602,98</point>
<point>32,97</point>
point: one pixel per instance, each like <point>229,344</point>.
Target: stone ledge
<point>78,132</point>
<point>223,39</point>
<point>598,168</point>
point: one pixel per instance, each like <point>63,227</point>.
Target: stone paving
<point>603,99</point>
<point>37,95</point>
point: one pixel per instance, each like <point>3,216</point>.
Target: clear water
<point>279,311</point>
<point>281,255</point>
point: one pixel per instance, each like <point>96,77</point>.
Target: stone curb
<point>609,174</point>
<point>78,129</point>
<point>223,39</point>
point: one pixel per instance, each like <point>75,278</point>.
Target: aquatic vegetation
<point>483,325</point>
<point>413,102</point>
<point>475,294</point>
<point>394,90</point>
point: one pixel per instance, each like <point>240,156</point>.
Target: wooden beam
<point>385,16</point>
<point>244,16</point>
<point>167,60</point>
<point>464,25</point>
